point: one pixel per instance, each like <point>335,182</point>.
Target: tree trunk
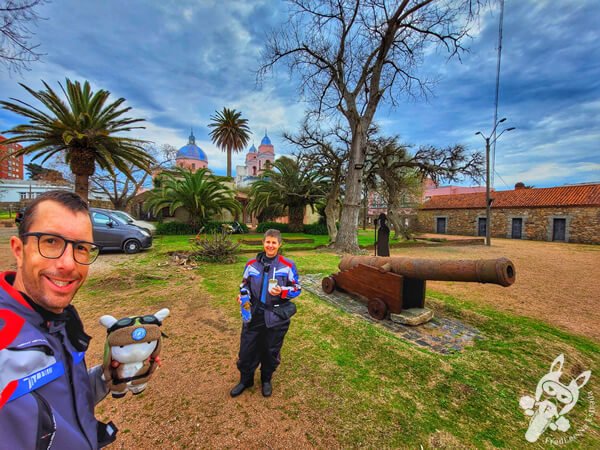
<point>296,219</point>
<point>347,239</point>
<point>82,164</point>
<point>82,186</point>
<point>229,162</point>
<point>332,211</point>
<point>396,221</point>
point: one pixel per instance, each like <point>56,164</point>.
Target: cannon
<point>392,284</point>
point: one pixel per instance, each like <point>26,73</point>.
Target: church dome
<point>252,149</point>
<point>191,150</point>
<point>265,140</point>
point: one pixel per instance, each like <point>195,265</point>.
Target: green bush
<point>216,226</point>
<point>174,228</point>
<point>216,247</point>
<point>316,228</point>
<point>262,227</point>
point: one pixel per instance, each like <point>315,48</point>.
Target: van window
<point>100,219</point>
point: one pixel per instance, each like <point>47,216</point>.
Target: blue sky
<point>177,61</point>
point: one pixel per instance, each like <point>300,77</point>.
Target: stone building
<point>566,213</point>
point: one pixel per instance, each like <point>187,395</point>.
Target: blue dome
<point>265,140</point>
<point>252,149</point>
<point>191,150</point>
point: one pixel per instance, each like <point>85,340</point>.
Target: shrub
<point>178,228</point>
<point>316,228</point>
<point>262,227</point>
<point>216,247</point>
<point>214,226</point>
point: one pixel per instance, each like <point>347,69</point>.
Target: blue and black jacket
<point>47,396</point>
<point>257,273</point>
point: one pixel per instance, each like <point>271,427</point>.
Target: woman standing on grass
<point>272,282</point>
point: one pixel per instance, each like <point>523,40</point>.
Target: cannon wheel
<point>328,285</point>
<point>377,309</point>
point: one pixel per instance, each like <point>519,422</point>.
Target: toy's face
<point>133,352</point>
<point>559,391</point>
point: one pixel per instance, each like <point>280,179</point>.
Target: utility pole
<point>488,200</point>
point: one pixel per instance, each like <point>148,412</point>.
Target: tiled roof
<point>582,195</point>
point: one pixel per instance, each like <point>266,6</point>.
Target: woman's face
<point>271,246</point>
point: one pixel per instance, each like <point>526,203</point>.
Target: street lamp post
<point>488,201</point>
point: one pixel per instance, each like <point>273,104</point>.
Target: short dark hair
<point>273,233</point>
<point>70,200</point>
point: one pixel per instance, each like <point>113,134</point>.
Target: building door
<point>517,228</point>
<point>558,229</point>
<point>440,226</point>
<point>481,226</point>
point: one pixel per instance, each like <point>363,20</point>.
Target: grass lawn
<point>172,243</point>
<point>369,388</point>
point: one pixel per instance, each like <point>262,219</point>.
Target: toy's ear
<point>162,314</point>
<point>107,321</point>
<point>583,378</point>
<point>559,361</point>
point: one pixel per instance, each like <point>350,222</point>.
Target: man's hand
<point>239,299</point>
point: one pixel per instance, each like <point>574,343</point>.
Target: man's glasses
<point>52,246</point>
<point>128,321</point>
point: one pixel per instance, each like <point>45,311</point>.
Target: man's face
<point>51,283</point>
<point>271,245</point>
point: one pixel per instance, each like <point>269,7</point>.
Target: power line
<point>500,25</point>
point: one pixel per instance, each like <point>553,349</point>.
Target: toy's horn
<point>107,321</point>
<point>162,314</point>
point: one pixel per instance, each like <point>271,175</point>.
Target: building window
<point>23,195</point>
<point>440,225</point>
<point>517,228</point>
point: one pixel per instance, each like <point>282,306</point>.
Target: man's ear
<point>16,246</point>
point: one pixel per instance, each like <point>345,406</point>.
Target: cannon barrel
<point>497,271</point>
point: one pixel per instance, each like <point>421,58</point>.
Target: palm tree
<point>287,186</point>
<point>230,132</point>
<point>86,129</point>
<point>200,193</point>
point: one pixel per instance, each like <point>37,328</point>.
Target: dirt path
<point>188,404</point>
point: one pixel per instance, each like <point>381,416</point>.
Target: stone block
<point>413,316</point>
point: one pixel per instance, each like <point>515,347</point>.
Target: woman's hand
<point>275,291</point>
<point>239,299</point>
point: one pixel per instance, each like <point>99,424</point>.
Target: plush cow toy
<point>132,350</point>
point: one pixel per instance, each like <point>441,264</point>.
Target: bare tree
<point>351,54</point>
<point>327,153</point>
<point>16,49</point>
<point>120,188</point>
<point>402,174</point>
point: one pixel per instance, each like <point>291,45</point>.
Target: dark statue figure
<point>383,239</point>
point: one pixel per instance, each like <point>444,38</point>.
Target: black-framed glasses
<point>52,246</point>
<point>128,321</point>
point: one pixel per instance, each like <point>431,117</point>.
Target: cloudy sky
<point>177,61</point>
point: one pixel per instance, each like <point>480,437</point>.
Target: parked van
<point>112,232</point>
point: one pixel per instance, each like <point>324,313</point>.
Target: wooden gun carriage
<point>392,284</point>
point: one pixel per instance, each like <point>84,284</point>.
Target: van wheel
<point>131,246</point>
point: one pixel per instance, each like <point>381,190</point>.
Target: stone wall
<point>582,223</point>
